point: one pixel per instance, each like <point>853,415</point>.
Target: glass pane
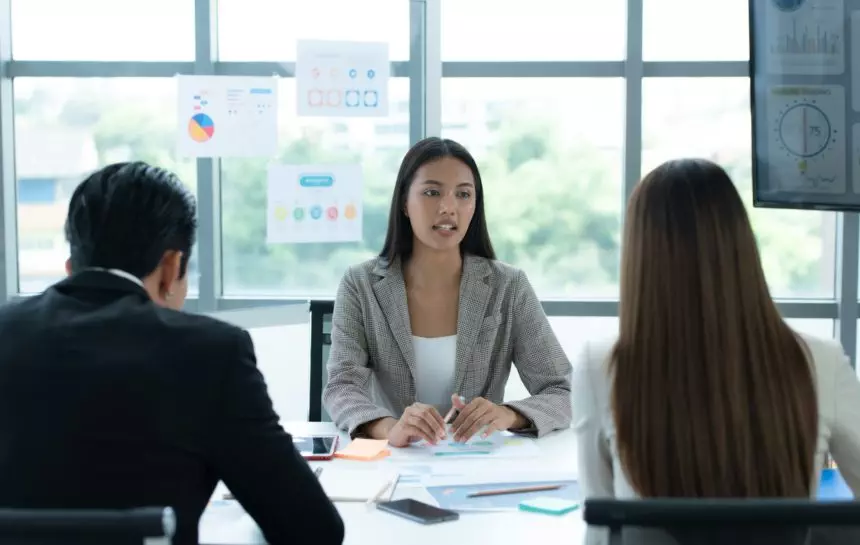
<point>710,117</point>
<point>65,129</point>
<point>103,30</point>
<point>695,30</point>
<point>540,30</point>
<point>287,378</point>
<point>267,30</point>
<point>550,157</point>
<point>818,327</point>
<point>253,267</point>
<point>572,333</point>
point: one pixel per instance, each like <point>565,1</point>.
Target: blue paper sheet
<point>832,486</point>
<point>455,497</point>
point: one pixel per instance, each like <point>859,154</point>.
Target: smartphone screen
<point>418,511</point>
<point>314,446</point>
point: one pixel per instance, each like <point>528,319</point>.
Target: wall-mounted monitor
<point>805,103</point>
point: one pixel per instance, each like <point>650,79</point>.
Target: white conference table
<point>229,525</point>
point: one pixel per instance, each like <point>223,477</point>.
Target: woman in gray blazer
<point>433,324</point>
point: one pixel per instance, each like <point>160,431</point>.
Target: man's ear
<point>171,265</point>
<point>69,267</point>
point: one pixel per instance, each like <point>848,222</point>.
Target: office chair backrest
<point>150,526</point>
<point>725,521</point>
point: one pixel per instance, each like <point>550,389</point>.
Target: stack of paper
<point>358,485</point>
<point>364,450</point>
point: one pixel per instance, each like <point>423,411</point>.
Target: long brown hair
<point>713,394</point>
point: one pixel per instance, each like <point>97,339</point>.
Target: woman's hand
<point>419,421</point>
<point>481,412</point>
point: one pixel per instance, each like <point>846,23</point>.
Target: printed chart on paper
<point>314,203</point>
<point>348,79</point>
<point>226,116</point>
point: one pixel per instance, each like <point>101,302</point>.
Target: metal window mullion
<point>633,73</point>
<point>432,92</point>
<point>847,255</point>
<point>208,169</point>
<point>8,182</point>
<point>417,75</point>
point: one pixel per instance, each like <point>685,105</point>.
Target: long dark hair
<point>398,238</point>
<point>713,394</point>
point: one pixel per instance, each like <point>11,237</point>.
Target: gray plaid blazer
<point>500,321</point>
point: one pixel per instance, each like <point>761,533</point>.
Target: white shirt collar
<point>122,274</point>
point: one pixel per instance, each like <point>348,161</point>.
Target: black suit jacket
<point>108,400</point>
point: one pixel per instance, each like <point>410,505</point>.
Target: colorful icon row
<point>351,98</point>
<point>334,72</point>
<point>316,212</point>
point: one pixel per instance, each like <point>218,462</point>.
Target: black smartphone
<point>418,511</point>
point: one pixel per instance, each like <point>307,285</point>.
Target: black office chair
<point>153,526</point>
<point>725,521</point>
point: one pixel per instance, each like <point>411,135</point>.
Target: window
<point>572,333</point>
<point>103,30</point>
<point>253,267</point>
<point>66,128</point>
<point>695,30</point>
<point>710,117</point>
<point>288,373</point>
<point>550,157</point>
<point>37,190</point>
<point>267,30</point>
<point>540,30</point>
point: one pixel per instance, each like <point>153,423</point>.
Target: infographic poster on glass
<point>314,203</point>
<point>227,116</point>
<point>805,58</point>
<point>342,79</point>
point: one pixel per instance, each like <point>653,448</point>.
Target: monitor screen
<point>805,103</point>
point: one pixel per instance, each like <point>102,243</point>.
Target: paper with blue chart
<point>227,116</point>
<point>452,492</point>
<point>342,79</point>
<point>314,203</point>
<point>497,445</point>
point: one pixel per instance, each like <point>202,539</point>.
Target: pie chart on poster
<point>201,128</point>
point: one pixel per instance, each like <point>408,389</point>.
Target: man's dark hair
<point>127,215</point>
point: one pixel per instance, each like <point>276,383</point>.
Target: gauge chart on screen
<point>806,151</point>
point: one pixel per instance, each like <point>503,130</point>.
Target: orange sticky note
<point>365,450</point>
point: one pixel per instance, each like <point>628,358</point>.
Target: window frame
<point>425,71</point>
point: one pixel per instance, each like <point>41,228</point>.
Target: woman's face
<point>440,203</point>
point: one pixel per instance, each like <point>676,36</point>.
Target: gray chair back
<point>725,521</point>
<point>144,526</point>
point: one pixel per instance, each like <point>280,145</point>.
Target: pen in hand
<point>453,412</point>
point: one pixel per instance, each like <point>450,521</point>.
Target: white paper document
<point>227,116</point>
<point>342,79</point>
<point>357,485</point>
<point>314,203</point>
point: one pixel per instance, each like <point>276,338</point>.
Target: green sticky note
<point>549,506</point>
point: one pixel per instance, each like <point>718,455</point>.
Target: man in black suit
<point>110,397</point>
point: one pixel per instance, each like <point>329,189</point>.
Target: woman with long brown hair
<point>706,392</point>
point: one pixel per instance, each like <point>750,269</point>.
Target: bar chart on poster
<point>806,103</point>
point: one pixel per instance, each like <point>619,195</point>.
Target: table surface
<point>230,525</point>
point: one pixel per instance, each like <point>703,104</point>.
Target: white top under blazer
<point>600,473</point>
